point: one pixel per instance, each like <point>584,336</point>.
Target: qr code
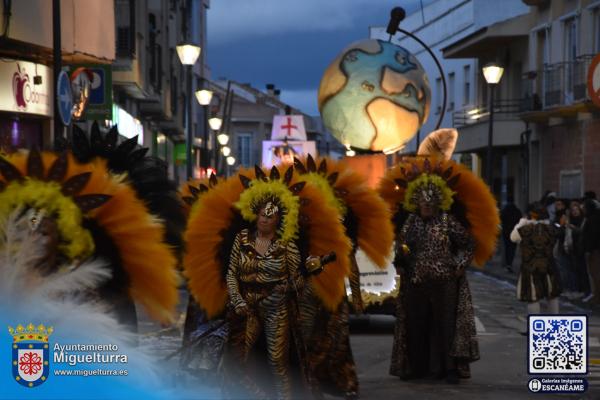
<point>558,344</point>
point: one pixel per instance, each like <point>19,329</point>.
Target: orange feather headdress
<point>190,191</point>
<point>473,203</point>
<point>113,206</point>
<point>367,217</point>
<point>215,220</point>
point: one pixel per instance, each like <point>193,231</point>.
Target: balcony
<point>472,124</point>
<point>559,85</point>
<point>504,110</point>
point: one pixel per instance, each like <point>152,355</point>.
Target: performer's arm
<point>235,298</point>
<point>515,236</point>
<point>463,243</point>
<point>292,256</point>
<point>403,248</point>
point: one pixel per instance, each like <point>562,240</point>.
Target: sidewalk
<point>495,267</point>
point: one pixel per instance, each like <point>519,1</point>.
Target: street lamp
<point>215,124</point>
<point>188,54</point>
<point>204,96</point>
<point>226,151</point>
<point>492,73</point>
<point>223,139</point>
<point>230,160</point>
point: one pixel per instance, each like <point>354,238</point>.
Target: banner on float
<point>277,152</point>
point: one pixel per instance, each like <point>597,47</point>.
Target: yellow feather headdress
<point>473,202</point>
<point>73,192</point>
<point>222,211</point>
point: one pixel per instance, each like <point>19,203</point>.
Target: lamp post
<point>492,73</point>
<point>204,97</point>
<point>188,54</point>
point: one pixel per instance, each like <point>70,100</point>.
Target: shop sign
<point>100,103</point>
<point>19,92</point>
<point>180,153</point>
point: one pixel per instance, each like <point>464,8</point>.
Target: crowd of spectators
<point>576,253</point>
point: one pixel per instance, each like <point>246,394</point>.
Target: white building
<point>438,25</point>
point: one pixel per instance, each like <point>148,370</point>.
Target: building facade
<point>251,121</point>
<point>546,54</point>
<point>26,51</point>
<point>150,83</point>
<point>439,24</point>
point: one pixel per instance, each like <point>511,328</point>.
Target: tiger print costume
<point>265,284</point>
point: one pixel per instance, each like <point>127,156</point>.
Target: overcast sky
<point>289,42</point>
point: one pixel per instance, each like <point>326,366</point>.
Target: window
<point>451,82</point>
<point>467,85</point>
<point>570,184</point>
<point>597,30</point>
<point>244,149</point>
<point>570,52</point>
<point>438,95</point>
<point>125,27</point>
<point>153,61</point>
<point>570,55</point>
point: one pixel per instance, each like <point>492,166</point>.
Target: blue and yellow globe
<point>374,96</point>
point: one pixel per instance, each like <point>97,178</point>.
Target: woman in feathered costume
<point>446,218</point>
<point>83,212</point>
<point>367,223</point>
<point>249,241</point>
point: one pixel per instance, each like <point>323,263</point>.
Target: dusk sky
<point>289,42</point>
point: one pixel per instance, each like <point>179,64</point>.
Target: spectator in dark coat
<point>509,217</point>
<point>591,246</point>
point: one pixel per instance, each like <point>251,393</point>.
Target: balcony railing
<point>559,84</point>
<point>504,110</point>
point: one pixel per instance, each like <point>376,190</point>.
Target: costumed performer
<point>85,212</point>
<point>265,241</point>
<point>367,222</point>
<point>448,219</point>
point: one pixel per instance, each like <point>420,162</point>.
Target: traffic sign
<point>593,81</point>
<point>64,98</point>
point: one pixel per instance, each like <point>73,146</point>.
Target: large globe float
<point>374,96</point>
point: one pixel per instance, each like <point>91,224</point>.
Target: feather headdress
<point>366,216</point>
<point>87,192</point>
<point>471,202</point>
<point>221,212</point>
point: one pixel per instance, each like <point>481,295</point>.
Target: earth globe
<point>374,96</point>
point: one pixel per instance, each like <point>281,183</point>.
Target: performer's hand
<point>241,309</point>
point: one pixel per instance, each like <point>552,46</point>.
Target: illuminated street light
<point>230,160</point>
<point>204,96</point>
<point>215,123</point>
<point>226,151</point>
<point>492,73</point>
<point>223,139</point>
<point>188,53</point>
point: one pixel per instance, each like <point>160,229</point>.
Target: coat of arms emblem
<point>30,349</point>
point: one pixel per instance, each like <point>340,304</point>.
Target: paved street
<point>500,374</point>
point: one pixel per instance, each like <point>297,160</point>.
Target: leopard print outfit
<point>435,324</point>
